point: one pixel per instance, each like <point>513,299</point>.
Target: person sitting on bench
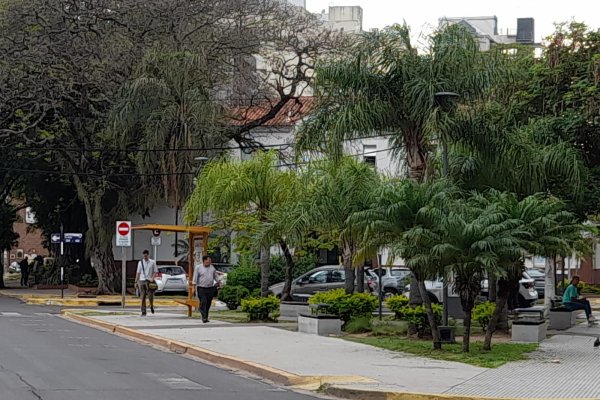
<point>572,301</point>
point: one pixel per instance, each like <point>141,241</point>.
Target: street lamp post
<point>443,100</point>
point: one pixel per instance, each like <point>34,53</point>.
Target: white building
<point>343,18</point>
<point>485,29</point>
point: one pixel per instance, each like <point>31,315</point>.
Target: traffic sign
<point>124,233</point>
<point>156,241</point>
<point>156,232</point>
<point>55,238</point>
<point>73,237</point>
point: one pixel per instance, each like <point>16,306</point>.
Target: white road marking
<point>177,382</point>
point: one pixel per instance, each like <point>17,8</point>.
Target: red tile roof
<point>293,111</point>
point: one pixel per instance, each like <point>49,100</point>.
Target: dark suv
<point>321,279</point>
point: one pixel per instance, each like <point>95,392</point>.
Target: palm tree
<point>256,186</point>
<point>539,226</point>
<point>406,218</point>
<point>168,110</point>
<point>333,192</point>
<point>385,86</point>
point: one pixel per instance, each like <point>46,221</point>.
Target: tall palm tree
<point>386,86</point>
<point>166,111</point>
<point>405,217</point>
<point>256,186</point>
<point>333,192</point>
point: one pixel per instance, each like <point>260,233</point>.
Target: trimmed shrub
<point>345,305</point>
<point>417,318</point>
<point>233,295</point>
<point>396,304</point>
<point>389,328</point>
<point>482,313</point>
<point>359,325</point>
<point>261,308</point>
<point>246,276</point>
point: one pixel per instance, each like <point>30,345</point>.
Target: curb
<point>366,394</point>
<point>262,371</point>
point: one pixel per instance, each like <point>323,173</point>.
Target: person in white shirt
<point>205,278</point>
<point>146,270</point>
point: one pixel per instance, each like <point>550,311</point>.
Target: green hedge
<point>233,295</point>
<point>261,308</point>
<point>417,317</point>
<point>396,304</point>
<point>345,305</point>
<point>245,276</point>
<point>482,313</point>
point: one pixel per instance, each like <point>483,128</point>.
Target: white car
<point>170,278</point>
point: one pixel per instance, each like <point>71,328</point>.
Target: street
<point>44,357</point>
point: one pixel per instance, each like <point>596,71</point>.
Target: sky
<point>422,15</point>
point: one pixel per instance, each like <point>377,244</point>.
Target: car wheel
<point>389,292</point>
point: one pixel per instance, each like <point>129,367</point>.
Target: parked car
<point>540,280</point>
<point>170,278</point>
<point>394,279</point>
<point>527,296</point>
<point>321,279</point>
<point>434,290</point>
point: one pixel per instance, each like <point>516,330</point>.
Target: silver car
<point>170,278</point>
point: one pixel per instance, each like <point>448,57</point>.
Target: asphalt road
<point>44,357</point>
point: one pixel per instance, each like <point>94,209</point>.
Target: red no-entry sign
<point>124,233</point>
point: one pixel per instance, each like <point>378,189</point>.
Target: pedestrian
<point>24,264</point>
<point>572,301</point>
<point>144,279</point>
<point>205,278</point>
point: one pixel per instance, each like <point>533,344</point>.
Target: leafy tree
<point>333,192</point>
<point>386,85</point>
<point>406,217</point>
<point>256,186</point>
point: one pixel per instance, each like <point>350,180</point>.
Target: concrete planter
<point>291,309</point>
<point>528,331</point>
<point>322,325</point>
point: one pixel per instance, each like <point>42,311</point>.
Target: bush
<point>396,303</point>
<point>261,308</point>
<point>246,276</point>
<point>233,296</point>
<point>305,264</point>
<point>389,328</point>
<point>276,270</point>
<point>345,305</point>
<point>482,313</point>
<point>88,280</point>
<point>417,318</point>
<point>359,325</point>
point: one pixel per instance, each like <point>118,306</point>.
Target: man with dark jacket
<point>24,264</point>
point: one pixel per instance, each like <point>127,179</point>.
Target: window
<point>318,277</point>
<point>369,155</point>
<point>383,271</point>
<point>338,276</point>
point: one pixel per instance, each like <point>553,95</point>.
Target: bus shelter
<point>198,243</point>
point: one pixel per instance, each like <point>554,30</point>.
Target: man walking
<point>24,264</point>
<point>205,277</point>
<point>144,279</point>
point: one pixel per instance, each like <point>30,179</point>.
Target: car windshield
<point>171,270</point>
<point>534,273</point>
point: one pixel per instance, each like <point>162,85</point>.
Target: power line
<point>167,150</point>
<point>140,174</point>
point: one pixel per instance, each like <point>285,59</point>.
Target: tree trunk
<point>348,269</point>
<point>501,299</point>
<point>360,279</point>
<point>289,271</point>
<point>550,285</point>
<point>416,298</point>
<point>109,276</point>
<point>467,333</point>
<point>416,157</point>
<point>265,256</point>
<point>430,315</point>
<point>2,270</point>
<point>492,288</point>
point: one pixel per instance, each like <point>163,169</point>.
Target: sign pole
<point>123,275</point>
<point>155,252</point>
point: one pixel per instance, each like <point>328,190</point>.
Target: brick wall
<point>30,243</point>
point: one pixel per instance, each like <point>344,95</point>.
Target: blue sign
<point>74,238</point>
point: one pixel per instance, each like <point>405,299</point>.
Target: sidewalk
<point>565,366</point>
